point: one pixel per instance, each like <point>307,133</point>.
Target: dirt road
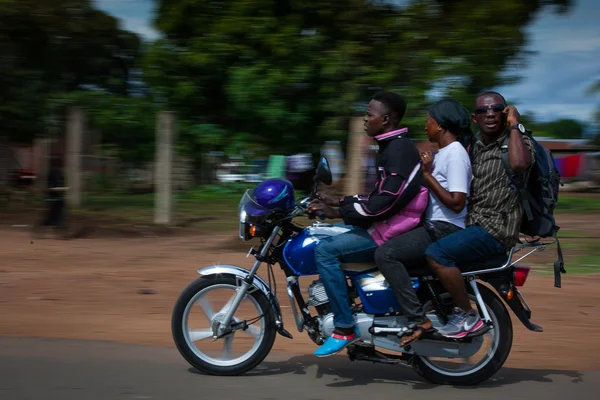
<point>90,289</point>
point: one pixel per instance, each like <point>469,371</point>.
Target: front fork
<point>302,317</point>
<point>247,282</point>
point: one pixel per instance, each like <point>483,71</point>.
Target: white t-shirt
<point>452,169</point>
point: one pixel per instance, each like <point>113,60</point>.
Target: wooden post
<point>73,157</point>
<point>355,176</point>
<point>163,188</point>
<point>41,162</point>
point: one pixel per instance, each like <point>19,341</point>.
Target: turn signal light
<point>506,292</point>
<point>509,294</point>
<point>257,231</point>
<point>252,230</point>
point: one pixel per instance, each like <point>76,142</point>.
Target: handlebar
<point>303,205</point>
<point>319,214</point>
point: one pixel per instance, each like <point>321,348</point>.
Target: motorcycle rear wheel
<point>502,327</point>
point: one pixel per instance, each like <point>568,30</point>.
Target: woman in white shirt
<point>448,176</point>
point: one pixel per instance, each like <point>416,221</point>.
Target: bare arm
<point>455,201</point>
<point>519,155</point>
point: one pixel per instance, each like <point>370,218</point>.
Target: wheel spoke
<point>200,335</point>
<point>226,354</point>
<point>206,307</point>
<point>228,305</point>
<point>253,331</point>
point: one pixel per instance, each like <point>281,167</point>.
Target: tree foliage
<point>59,46</point>
<point>127,124</point>
<point>273,74</point>
<point>564,128</point>
<point>593,90</point>
<point>288,73</point>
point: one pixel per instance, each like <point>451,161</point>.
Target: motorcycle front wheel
<point>239,351</point>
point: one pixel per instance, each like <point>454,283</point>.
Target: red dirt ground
<point>88,289</point>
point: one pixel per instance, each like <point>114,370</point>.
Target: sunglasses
<point>496,108</point>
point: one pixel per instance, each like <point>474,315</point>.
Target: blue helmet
<point>274,194</point>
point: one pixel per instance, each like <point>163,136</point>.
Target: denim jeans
<point>472,244</point>
<point>354,246</point>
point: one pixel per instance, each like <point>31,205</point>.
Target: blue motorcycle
<point>222,342</point>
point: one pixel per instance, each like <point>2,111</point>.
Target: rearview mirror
<point>323,172</point>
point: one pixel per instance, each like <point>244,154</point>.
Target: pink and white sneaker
<point>461,324</point>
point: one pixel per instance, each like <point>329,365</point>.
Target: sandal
<point>414,332</point>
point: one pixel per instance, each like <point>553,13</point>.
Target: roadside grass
<point>581,256</point>
<point>577,265</point>
<point>207,208</point>
<point>578,205</point>
<point>213,210</point>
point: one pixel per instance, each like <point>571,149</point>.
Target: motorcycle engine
<point>317,298</point>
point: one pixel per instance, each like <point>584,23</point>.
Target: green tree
<point>289,73</point>
<point>593,90</point>
<point>564,129</point>
<point>59,46</point>
<point>127,123</point>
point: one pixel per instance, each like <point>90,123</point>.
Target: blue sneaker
<point>336,343</point>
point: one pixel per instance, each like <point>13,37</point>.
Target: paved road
<point>68,369</point>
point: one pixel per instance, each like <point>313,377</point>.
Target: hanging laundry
<point>573,166</point>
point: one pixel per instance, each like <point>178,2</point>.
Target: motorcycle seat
<point>423,270</point>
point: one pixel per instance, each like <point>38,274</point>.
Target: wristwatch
<point>519,127</point>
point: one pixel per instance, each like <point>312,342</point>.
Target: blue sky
<point>566,62</point>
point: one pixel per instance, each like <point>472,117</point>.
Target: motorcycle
<point>467,361</point>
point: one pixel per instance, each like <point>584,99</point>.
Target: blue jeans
<point>354,246</point>
<point>470,245</point>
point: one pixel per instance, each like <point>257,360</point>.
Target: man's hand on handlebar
<point>328,199</point>
<point>319,209</point>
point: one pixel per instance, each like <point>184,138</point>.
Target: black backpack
<point>539,197</point>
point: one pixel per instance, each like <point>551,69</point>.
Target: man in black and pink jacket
<point>395,206</point>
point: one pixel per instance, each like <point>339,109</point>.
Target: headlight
<point>249,228</point>
<point>243,233</point>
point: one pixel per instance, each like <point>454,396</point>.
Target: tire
<point>177,328</point>
<point>496,306</point>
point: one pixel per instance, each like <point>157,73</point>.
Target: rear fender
<point>258,284</point>
<point>517,303</point>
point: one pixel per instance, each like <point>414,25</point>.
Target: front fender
<point>258,283</point>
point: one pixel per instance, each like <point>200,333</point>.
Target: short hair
<point>394,103</point>
<point>489,92</point>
